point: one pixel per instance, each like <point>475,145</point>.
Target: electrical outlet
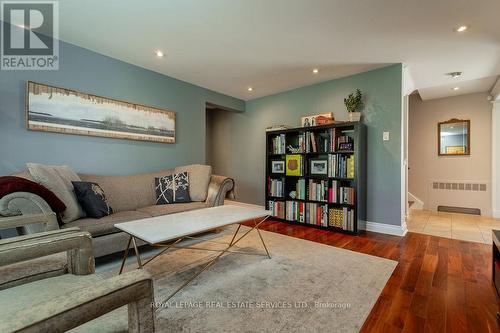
<point>385,137</point>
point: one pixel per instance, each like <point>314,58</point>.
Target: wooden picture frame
<point>456,150</point>
<point>61,110</point>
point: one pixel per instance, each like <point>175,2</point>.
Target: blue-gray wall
<point>244,135</point>
<point>90,72</point>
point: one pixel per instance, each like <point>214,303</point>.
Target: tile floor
<point>451,225</point>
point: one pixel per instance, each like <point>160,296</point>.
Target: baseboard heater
<point>462,210</point>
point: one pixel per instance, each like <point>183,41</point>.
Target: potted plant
<point>353,103</point>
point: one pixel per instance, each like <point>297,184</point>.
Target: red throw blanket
<point>10,184</point>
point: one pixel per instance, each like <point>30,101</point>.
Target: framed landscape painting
<point>60,110</point>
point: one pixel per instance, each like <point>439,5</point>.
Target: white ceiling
<point>272,45</point>
<point>465,87</point>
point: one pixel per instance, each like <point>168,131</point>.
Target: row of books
<point>295,211</point>
<point>313,213</point>
<point>341,166</point>
<point>317,214</point>
<point>318,190</point>
<point>278,144</point>
<point>315,142</point>
<point>342,218</point>
<point>341,194</point>
<point>276,187</point>
<point>277,208</point>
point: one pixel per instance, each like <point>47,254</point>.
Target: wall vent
<point>462,210</point>
<point>459,186</point>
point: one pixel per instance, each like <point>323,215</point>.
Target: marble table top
<point>173,226</point>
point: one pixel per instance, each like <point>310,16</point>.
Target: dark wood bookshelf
<point>356,132</point>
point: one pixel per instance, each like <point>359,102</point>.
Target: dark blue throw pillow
<point>172,188</point>
<point>92,199</point>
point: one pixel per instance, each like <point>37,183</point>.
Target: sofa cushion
<point>199,178</point>
<point>58,178</point>
<point>105,225</point>
<point>158,210</point>
<point>125,193</point>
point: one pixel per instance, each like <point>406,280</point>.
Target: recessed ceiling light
<point>159,54</point>
<point>456,88</point>
<point>250,89</point>
<point>461,28</point>
<point>315,71</point>
<point>454,74</point>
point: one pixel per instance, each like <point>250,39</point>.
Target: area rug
<point>304,287</point>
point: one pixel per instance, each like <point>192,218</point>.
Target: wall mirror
<point>454,137</point>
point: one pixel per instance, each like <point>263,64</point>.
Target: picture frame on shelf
<point>318,167</point>
<point>278,166</point>
<point>346,146</point>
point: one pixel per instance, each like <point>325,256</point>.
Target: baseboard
<point>495,213</point>
<point>382,228</point>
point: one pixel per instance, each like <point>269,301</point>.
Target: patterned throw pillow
<point>172,188</point>
<point>92,199</point>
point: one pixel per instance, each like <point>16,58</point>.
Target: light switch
<point>385,136</point>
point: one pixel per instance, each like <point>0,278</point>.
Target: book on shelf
<point>341,166</point>
<point>342,218</point>
<point>295,211</point>
<point>341,194</point>
<point>332,139</point>
<point>317,214</point>
<point>350,166</point>
<point>277,208</point>
<point>294,165</point>
<point>317,190</point>
<point>278,144</point>
<point>300,189</point>
<point>276,187</point>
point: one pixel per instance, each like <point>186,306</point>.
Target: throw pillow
<point>172,189</point>
<point>92,198</point>
<point>58,179</point>
<point>199,177</point>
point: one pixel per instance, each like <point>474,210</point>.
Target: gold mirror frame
<point>454,121</point>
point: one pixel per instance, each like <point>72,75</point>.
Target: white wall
<point>496,158</point>
<point>425,164</point>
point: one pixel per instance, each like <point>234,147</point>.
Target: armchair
<point>13,271</point>
<point>65,301</point>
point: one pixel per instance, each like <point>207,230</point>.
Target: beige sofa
<point>131,197</point>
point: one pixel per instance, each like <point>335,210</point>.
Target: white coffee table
<point>168,230</point>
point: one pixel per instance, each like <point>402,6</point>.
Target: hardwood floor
<point>439,285</point>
